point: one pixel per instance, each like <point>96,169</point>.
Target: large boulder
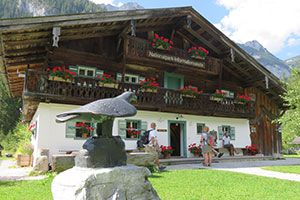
<point>141,158</point>
<point>41,164</point>
<point>62,162</point>
<point>117,183</point>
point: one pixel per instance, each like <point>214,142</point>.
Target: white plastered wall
<point>51,135</point>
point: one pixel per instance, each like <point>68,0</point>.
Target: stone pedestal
<point>62,162</point>
<point>117,183</point>
<point>41,164</point>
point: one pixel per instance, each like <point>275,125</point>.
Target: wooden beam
<point>202,39</point>
<point>38,61</point>
<point>185,37</point>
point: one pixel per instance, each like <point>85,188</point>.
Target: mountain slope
<point>293,61</point>
<point>126,6</point>
<point>27,8</point>
<point>264,57</point>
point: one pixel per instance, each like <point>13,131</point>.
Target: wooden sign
<point>175,59</point>
<point>162,130</point>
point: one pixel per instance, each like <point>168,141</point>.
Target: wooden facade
<point>120,43</point>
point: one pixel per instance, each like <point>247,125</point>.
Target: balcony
<point>85,90</point>
<point>138,48</point>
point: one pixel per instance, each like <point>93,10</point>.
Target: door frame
<point>179,76</point>
<point>184,135</point>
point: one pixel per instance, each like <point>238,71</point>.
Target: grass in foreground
<point>213,184</point>
<point>291,156</point>
<point>295,169</point>
<point>26,190</point>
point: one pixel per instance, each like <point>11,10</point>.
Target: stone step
<point>177,160</point>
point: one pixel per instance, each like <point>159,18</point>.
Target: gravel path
<point>9,172</point>
<point>249,168</point>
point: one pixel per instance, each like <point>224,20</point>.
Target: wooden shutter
<point>71,129</point>
<point>99,73</point>
<point>122,128</point>
<point>73,69</point>
<point>232,133</point>
<point>119,77</point>
<point>220,132</point>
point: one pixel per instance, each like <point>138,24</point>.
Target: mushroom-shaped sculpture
<point>105,150</point>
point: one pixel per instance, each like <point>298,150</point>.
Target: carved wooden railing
<point>137,47</point>
<point>83,90</point>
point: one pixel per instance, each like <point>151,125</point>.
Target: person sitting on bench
<point>227,145</point>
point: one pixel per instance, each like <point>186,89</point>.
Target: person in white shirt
<point>153,146</point>
<point>227,145</point>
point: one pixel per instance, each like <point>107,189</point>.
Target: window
<point>130,78</point>
<point>80,130</point>
<point>84,71</point>
<point>200,127</point>
<point>131,128</point>
<point>222,129</point>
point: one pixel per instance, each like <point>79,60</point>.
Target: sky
<point>273,23</point>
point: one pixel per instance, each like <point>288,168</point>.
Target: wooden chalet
<point>120,43</point>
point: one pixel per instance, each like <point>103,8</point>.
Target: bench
<point>242,151</point>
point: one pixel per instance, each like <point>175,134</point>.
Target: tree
<point>9,110</point>
<point>291,118</point>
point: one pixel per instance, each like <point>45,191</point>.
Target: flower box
<point>160,47</point>
<point>198,57</point>
<point>59,79</point>
<point>189,96</point>
<point>109,85</point>
<point>160,42</point>
<point>239,102</point>
<point>149,90</point>
<point>212,98</point>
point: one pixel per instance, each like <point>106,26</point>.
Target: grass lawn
<point>26,190</point>
<point>180,185</point>
<point>291,156</point>
<point>213,184</point>
<point>295,169</point>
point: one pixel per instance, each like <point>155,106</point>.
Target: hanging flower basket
<point>198,53</point>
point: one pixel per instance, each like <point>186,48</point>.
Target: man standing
<point>153,146</point>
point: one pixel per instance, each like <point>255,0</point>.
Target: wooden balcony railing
<point>84,90</point>
<point>137,47</point>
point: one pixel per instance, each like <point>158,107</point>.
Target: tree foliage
<point>291,118</point>
<point>9,110</point>
<point>27,8</point>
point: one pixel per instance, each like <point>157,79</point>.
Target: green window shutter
<point>73,69</point>
<point>144,126</point>
<point>232,133</point>
<point>99,73</point>
<point>119,77</point>
<point>221,134</point>
<point>70,129</point>
<point>122,128</point>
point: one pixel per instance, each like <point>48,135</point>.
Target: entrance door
<point>177,137</point>
<point>175,130</point>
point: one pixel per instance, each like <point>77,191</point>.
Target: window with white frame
<point>131,78</point>
<point>84,71</point>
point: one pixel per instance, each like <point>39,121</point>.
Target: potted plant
<point>61,74</point>
<point>109,81</point>
<point>253,150</point>
<point>242,99</point>
<point>166,151</point>
<point>198,52</point>
<point>24,154</point>
<point>217,96</point>
<point>84,129</point>
<point>160,42</point>
<point>190,91</point>
<point>149,85</point>
<point>132,132</point>
<point>195,149</point>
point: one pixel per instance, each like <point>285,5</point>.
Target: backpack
<point>144,139</point>
<point>211,140</point>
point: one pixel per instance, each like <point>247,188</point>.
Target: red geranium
<point>161,41</point>
<point>190,90</point>
<point>166,149</point>
<point>61,72</point>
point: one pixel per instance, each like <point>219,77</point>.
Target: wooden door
<point>175,138</point>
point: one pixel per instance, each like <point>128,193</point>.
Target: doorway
<point>177,138</point>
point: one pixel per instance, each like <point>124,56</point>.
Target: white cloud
<point>293,42</point>
<point>271,22</point>
<point>104,2</point>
